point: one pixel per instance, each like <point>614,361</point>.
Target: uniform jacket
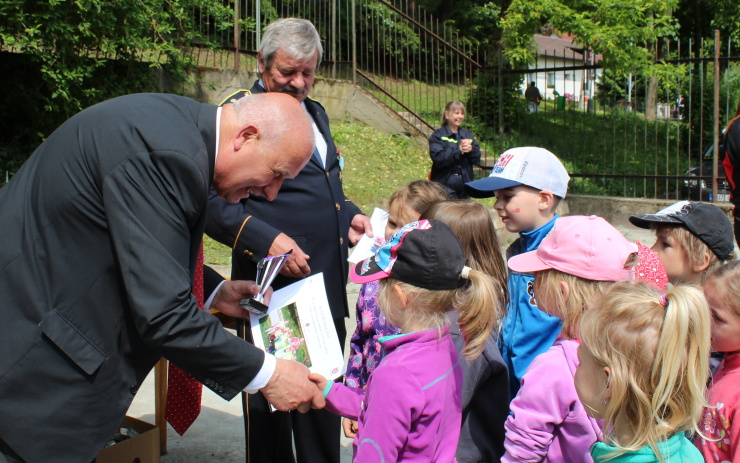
<point>677,449</point>
<point>410,411</point>
<point>527,331</point>
<point>450,166</point>
<point>547,421</point>
<point>485,400</point>
<point>100,234</point>
<point>311,208</point>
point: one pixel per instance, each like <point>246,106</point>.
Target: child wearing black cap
<point>411,407</point>
<point>692,239</point>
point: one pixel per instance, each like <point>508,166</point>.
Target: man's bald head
<point>265,138</point>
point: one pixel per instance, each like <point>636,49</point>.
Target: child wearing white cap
<point>528,183</point>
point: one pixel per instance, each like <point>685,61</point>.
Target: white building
<point>553,74</point>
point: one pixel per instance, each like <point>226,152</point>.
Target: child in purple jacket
<point>574,264</point>
<point>406,205</point>
<point>411,408</point>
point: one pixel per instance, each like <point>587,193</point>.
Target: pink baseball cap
<point>587,247</point>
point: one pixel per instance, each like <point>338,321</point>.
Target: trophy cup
<point>267,270</point>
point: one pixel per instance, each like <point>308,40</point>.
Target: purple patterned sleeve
<point>365,351</point>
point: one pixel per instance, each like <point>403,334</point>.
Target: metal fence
<point>598,125</point>
<point>612,145</point>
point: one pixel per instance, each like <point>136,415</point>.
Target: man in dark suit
<point>313,217</point>
<point>100,233</point>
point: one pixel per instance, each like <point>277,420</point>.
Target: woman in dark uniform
<point>454,152</point>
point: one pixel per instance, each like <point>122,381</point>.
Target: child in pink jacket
<point>411,409</point>
<point>574,264</point>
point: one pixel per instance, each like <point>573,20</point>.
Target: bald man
<point>101,229</point>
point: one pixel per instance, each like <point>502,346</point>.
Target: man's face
<point>252,171</point>
<point>289,75</point>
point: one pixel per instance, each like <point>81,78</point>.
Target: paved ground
<point>218,433</point>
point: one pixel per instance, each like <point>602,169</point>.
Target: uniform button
<point>249,253</point>
<point>337,206</point>
<point>341,240</point>
<point>134,389</point>
<point>327,175</point>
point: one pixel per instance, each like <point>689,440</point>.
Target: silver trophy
<point>267,270</point>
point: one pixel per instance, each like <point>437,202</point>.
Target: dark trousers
<point>270,435</point>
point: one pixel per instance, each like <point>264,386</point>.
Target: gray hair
<point>297,37</point>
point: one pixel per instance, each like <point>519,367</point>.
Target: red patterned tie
<point>184,391</point>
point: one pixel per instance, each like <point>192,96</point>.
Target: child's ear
<point>546,200</point>
<point>564,289</point>
<point>608,378</point>
<point>703,262</point>
<point>403,300</point>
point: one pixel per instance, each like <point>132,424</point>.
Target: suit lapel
<point>331,149</point>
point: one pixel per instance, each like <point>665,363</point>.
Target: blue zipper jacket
<point>527,331</point>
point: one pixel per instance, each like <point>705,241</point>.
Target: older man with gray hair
<point>311,216</point>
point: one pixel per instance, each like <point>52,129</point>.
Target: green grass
<point>377,164</point>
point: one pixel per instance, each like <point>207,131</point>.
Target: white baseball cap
<point>527,165</point>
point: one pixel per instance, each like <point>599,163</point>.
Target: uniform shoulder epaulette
<point>316,102</point>
<point>235,96</point>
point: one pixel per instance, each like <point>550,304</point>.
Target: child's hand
<point>350,427</point>
<point>319,380</point>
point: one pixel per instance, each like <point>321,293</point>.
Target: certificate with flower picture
<point>299,326</point>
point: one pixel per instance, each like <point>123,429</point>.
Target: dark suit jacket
<point>100,233</point>
<point>311,208</point>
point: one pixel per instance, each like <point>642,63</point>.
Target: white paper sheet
<point>367,246</point>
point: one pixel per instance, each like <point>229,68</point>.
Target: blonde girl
<point>644,366</point>
<point>573,266</point>
<point>485,398</point>
<point>721,421</point>
<point>411,408</point>
<point>404,206</point>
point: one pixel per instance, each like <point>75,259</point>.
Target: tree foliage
<point>623,32</point>
<point>64,55</point>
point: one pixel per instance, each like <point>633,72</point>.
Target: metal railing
<point>415,64</point>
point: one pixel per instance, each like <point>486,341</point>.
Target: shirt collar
<point>218,130</point>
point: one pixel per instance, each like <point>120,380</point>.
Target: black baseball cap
<point>704,220</point>
<point>426,254</point>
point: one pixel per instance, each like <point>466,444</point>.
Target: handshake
<point>292,387</point>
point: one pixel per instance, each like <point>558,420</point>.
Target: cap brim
<point>646,220</point>
<point>356,275</point>
<point>527,263</point>
<point>484,187</point>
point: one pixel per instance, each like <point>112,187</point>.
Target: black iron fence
<point>618,135</point>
